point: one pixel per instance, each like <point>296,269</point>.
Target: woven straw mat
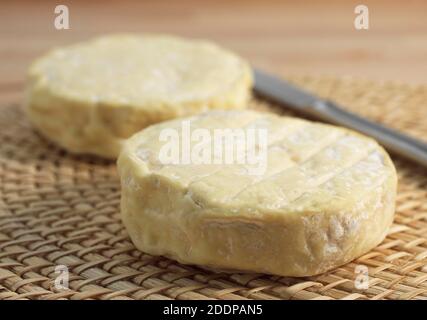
<point>59,209</point>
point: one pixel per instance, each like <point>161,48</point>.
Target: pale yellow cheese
<point>91,96</point>
<point>326,197</point>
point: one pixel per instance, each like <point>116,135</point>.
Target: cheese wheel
<point>325,195</point>
<point>91,96</point>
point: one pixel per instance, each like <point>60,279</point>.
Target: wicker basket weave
<point>58,209</point>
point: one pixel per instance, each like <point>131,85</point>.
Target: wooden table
<point>288,37</point>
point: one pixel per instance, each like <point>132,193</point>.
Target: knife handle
<point>391,139</point>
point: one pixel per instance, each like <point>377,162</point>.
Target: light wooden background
<point>287,37</point>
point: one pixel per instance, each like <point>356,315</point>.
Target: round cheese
<point>315,197</point>
<point>89,97</point>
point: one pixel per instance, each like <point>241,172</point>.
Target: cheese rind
<point>327,196</point>
<point>90,97</point>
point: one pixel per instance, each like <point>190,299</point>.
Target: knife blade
<point>282,92</point>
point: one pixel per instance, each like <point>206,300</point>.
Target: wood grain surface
<point>287,37</point>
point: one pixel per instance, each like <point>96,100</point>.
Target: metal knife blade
<point>299,100</point>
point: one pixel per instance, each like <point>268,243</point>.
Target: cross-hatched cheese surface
<point>91,96</point>
<point>325,196</point>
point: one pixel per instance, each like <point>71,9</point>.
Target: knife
<point>296,99</point>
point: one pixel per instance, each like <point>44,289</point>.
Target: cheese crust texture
<point>90,97</point>
<point>326,197</point>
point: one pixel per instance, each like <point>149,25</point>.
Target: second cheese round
<point>89,97</point>
<point>301,200</point>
